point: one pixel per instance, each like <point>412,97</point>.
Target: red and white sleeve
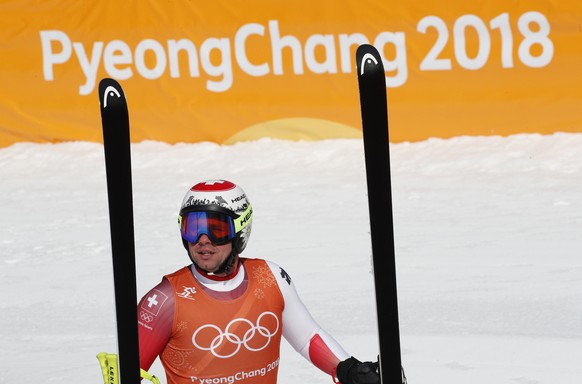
<point>155,314</point>
<point>302,331</point>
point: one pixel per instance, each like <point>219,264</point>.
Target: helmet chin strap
<point>227,265</point>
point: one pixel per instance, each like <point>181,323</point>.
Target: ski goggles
<point>220,227</point>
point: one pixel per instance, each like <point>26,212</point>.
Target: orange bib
<point>225,341</point>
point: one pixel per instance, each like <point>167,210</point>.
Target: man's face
<point>208,255</point>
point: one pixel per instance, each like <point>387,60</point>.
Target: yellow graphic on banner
<point>223,72</point>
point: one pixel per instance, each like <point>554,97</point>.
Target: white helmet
<point>216,201</point>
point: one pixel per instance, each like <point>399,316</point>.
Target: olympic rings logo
<point>254,332</point>
<point>146,317</point>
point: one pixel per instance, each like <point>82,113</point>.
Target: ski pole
<point>109,367</point>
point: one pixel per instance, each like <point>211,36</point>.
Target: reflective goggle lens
<point>217,226</point>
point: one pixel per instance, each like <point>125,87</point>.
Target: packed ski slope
<point>488,241</point>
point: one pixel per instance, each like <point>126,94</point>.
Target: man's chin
<point>210,267</point>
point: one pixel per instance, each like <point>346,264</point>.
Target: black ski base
<point>116,142</point>
<point>373,103</point>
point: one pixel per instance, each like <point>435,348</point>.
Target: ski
<point>373,104</point>
<point>116,142</point>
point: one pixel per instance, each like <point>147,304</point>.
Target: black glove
<point>352,371</point>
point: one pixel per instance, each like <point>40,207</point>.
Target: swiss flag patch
<point>154,302</point>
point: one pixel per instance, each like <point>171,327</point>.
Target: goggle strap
<point>243,220</point>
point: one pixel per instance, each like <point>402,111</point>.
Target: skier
<point>220,319</point>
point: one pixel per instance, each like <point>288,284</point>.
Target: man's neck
<point>220,283</point>
<point>220,276</point>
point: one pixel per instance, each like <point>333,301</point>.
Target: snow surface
<point>488,241</point>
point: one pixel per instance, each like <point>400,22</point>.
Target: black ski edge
<point>374,109</point>
<point>116,143</point>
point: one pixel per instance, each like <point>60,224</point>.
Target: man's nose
<point>204,239</point>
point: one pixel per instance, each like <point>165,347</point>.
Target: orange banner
<point>222,71</point>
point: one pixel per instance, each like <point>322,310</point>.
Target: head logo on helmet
<point>224,197</point>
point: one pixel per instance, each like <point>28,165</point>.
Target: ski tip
<point>368,60</point>
<point>110,93</point>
